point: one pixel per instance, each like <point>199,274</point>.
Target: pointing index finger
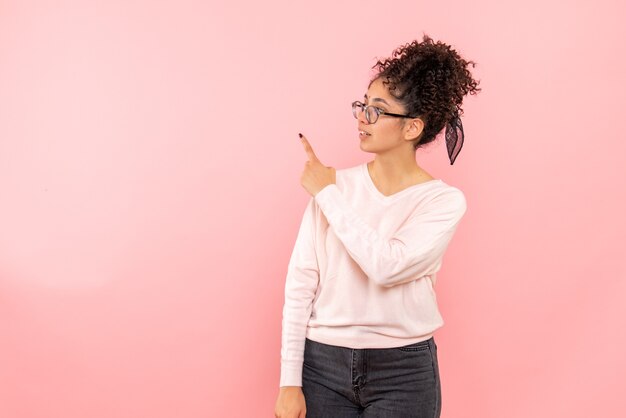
<point>309,149</point>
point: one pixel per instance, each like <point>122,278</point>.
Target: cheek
<point>385,134</point>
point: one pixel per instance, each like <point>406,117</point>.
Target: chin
<point>365,148</point>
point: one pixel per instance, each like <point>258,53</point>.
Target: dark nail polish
<point>300,135</point>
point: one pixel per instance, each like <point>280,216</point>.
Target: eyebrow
<point>376,99</point>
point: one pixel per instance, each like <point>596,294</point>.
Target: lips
<point>361,131</point>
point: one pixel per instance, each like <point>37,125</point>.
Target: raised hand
<point>316,175</point>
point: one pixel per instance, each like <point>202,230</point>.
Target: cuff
<point>291,374</point>
<point>326,193</point>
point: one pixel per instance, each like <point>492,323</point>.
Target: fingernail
<point>300,134</point>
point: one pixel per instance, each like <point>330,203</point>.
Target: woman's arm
<point>300,287</point>
<point>415,248</point>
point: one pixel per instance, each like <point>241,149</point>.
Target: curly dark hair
<point>430,80</point>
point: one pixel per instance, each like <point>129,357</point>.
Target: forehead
<point>378,90</point>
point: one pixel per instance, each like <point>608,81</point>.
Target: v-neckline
<point>388,198</point>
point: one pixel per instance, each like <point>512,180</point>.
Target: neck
<point>394,173</point>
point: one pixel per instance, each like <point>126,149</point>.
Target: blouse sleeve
<point>412,252</point>
<point>300,288</point>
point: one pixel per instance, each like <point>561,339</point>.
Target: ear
<point>413,128</point>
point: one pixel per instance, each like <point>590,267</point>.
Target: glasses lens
<point>371,115</point>
<point>356,109</point>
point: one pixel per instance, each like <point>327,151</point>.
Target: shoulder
<point>347,176</point>
<point>450,197</point>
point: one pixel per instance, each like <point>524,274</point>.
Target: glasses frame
<point>378,111</point>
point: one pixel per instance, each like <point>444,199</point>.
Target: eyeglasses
<point>371,112</point>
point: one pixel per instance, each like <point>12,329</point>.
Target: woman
<point>360,308</point>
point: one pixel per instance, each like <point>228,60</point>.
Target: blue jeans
<point>399,382</point>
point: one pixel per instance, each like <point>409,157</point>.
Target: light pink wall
<point>150,198</point>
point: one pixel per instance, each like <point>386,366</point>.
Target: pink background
<point>150,199</point>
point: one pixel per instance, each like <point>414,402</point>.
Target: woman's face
<point>388,131</point>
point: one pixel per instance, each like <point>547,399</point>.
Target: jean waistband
<point>430,341</point>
